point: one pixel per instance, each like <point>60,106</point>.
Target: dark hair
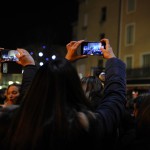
<point>93,89</point>
<point>2,95</point>
<point>50,106</point>
<point>93,83</point>
<point>142,101</point>
<point>143,117</point>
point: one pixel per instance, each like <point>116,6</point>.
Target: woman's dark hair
<point>143,117</point>
<point>142,101</point>
<point>93,89</point>
<point>52,102</point>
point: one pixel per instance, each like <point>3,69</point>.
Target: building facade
<point>126,23</point>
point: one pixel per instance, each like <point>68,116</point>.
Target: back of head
<point>51,103</point>
<point>91,83</point>
<point>56,83</point>
<point>93,89</point>
<point>142,104</point>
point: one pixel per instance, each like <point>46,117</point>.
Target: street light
<point>40,54</point>
<point>41,63</point>
<point>53,57</point>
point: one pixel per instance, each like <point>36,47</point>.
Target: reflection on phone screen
<point>91,48</point>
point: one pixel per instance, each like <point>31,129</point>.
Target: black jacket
<point>102,130</point>
<point>102,127</point>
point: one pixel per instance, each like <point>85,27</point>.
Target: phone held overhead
<point>8,62</point>
<point>92,48</point>
<point>8,55</point>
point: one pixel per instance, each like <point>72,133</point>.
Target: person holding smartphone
<point>55,113</point>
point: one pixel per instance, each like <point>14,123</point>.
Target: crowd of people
<point>54,109</point>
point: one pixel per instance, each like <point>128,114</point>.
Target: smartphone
<point>11,67</point>
<point>8,55</point>
<point>91,48</point>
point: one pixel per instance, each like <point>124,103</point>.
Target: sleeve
<point>28,75</point>
<point>112,108</point>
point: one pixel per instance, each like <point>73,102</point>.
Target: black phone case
<point>11,68</point>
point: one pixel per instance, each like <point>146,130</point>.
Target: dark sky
<point>25,24</point>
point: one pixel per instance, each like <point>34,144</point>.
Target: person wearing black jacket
<point>55,113</point>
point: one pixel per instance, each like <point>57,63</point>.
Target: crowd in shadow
<point>55,109</point>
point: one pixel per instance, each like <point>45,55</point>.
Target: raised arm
<point>112,107</point>
<point>29,67</point>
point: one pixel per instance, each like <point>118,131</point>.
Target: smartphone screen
<point>8,55</point>
<point>91,48</point>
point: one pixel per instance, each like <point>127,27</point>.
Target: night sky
<point>25,24</point>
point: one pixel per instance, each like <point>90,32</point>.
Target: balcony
<point>139,78</point>
<point>138,73</point>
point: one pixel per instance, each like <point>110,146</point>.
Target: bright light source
<point>47,59</point>
<point>40,54</point>
<point>17,82</point>
<point>43,46</point>
<point>31,53</point>
<point>41,63</point>
<point>10,82</point>
<point>54,57</point>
